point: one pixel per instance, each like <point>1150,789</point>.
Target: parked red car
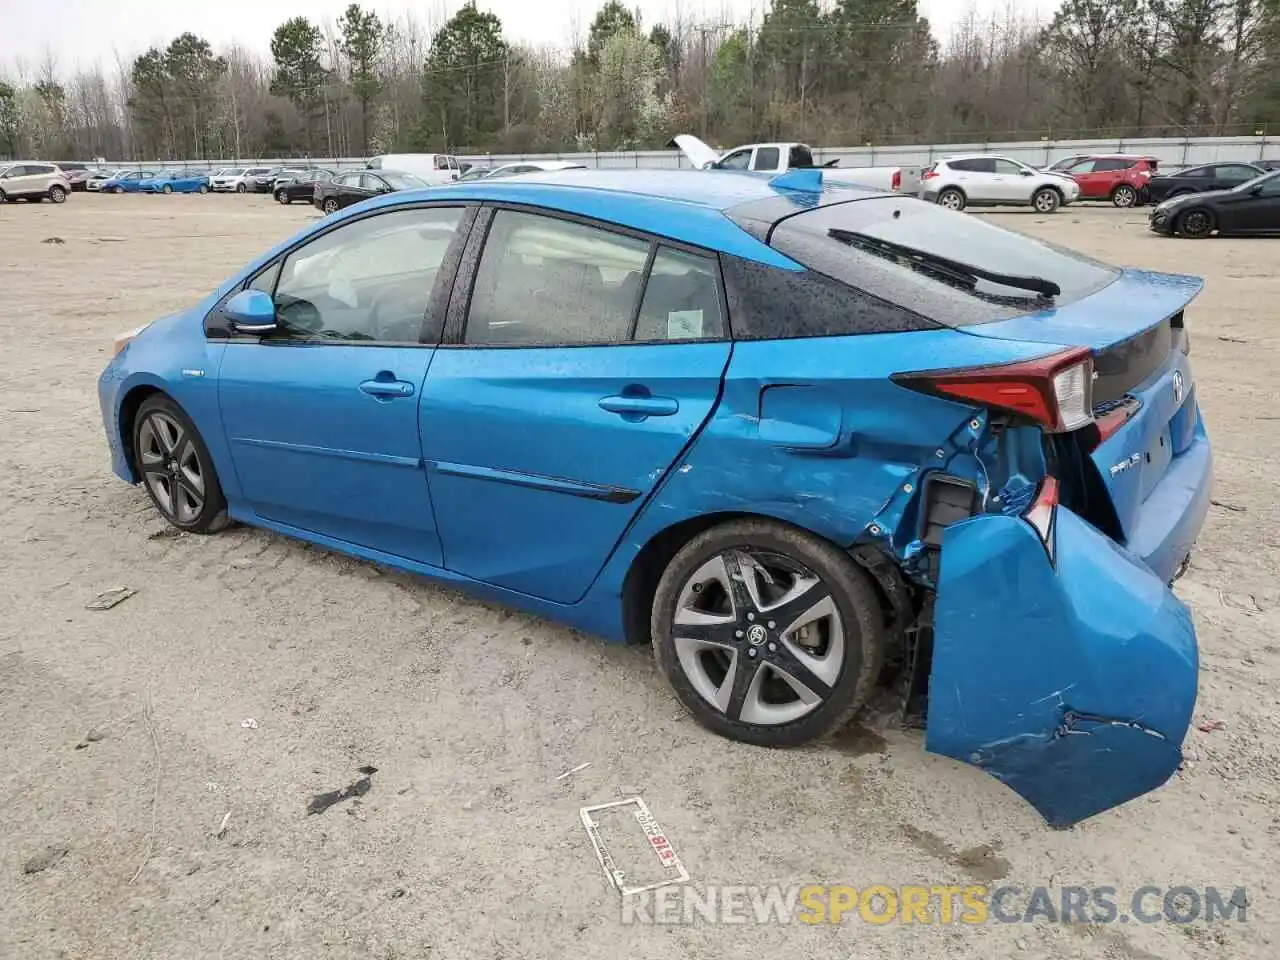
<point>1118,177</point>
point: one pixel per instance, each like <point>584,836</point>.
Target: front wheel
<point>117,190</point>
<point>57,194</point>
<point>166,189</point>
<point>1046,200</point>
<point>1124,196</point>
<point>204,188</point>
<point>331,206</point>
<point>240,188</point>
<point>952,199</point>
<point>175,467</point>
<point>1196,224</point>
<point>768,634</point>
<point>282,197</point>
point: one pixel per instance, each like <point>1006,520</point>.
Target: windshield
<point>942,266</point>
<point>232,172</point>
<point>403,181</point>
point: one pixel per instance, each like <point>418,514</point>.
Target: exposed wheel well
<point>128,411</point>
<point>641,582</point>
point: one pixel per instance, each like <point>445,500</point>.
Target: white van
<point>431,168</point>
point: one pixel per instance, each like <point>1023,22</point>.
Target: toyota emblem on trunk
<point>1178,387</point>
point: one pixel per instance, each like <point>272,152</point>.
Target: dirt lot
<point>467,844</point>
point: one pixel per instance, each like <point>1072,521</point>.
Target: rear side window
<point>801,157</point>
<point>547,281</point>
<point>892,248</point>
<point>1112,164</point>
<point>973,165</point>
<point>681,299</point>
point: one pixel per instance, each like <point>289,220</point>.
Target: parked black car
<point>1210,176</point>
<point>265,182</point>
<point>352,187</point>
<point>302,186</point>
<point>1251,209</point>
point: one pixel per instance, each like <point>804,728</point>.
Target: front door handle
<point>640,406</point>
<point>387,388</point>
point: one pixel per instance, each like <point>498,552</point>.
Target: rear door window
<point>681,299</point>
<point>766,159</point>
<point>890,247</point>
<point>973,165</point>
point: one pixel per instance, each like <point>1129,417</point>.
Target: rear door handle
<point>641,406</point>
<point>387,388</point>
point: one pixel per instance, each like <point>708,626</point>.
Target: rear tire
<point>175,467</point>
<point>166,189</point>
<point>952,199</point>
<point>1046,200</point>
<point>241,188</point>
<point>283,197</point>
<point>1196,224</point>
<point>57,194</point>
<point>330,206</point>
<point>1124,196</point>
<point>728,638</point>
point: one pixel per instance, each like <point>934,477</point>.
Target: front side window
<point>738,160</point>
<point>1235,171</point>
<point>1009,168</point>
<point>544,281</point>
<point>366,281</point>
<point>349,180</point>
<point>1270,186</point>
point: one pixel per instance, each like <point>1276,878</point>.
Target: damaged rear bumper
<point>1072,682</point>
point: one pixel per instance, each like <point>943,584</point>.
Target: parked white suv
<point>34,182</point>
<point>983,180</point>
<point>235,179</point>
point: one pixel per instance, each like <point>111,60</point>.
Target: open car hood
<point>698,153</point>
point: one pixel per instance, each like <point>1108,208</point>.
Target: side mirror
<point>251,311</point>
<point>1025,172</point>
<point>1256,190</point>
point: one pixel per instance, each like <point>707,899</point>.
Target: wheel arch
<point>641,581</point>
<point>130,403</point>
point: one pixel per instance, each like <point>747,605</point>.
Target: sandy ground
<point>467,844</point>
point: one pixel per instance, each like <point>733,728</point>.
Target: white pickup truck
<point>778,158</point>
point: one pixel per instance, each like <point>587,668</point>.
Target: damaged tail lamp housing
<point>1054,392</point>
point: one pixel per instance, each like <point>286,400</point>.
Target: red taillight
<point>896,182</point>
<point>1042,512</point>
<point>928,174</point>
<point>1054,391</point>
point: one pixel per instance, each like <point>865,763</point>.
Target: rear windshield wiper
<point>953,270</point>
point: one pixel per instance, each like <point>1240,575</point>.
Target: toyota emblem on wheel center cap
<point>757,635</point>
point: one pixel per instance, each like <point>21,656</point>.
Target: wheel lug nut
<point>772,625</point>
<point>751,616</point>
<point>738,634</point>
<point>751,652</point>
<point>773,647</point>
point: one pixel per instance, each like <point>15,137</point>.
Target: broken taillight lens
<point>1043,511</point>
<point>1054,391</point>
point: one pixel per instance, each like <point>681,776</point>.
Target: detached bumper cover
<point>1074,683</point>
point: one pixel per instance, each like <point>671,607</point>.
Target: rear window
<point>801,157</point>
<point>890,250</point>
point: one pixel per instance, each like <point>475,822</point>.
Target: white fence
<point>1173,153</point>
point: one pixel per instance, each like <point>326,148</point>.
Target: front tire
<point>1124,196</point>
<point>57,194</point>
<point>166,189</point>
<point>240,188</point>
<point>1196,224</point>
<point>768,634</point>
<point>175,467</point>
<point>951,199</point>
<point>330,206</point>
<point>282,197</point>
<point>1046,200</point>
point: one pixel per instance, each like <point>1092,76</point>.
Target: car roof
<point>688,206</point>
<point>980,156</point>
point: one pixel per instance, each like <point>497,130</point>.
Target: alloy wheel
<point>759,637</point>
<point>331,206</point>
<point>951,200</point>
<point>1124,197</point>
<point>171,467</point>
<point>1046,201</point>
<point>1197,224</point>
<point>57,194</point>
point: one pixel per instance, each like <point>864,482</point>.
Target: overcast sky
<point>82,32</point>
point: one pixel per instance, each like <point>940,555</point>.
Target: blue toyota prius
<point>804,439</point>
